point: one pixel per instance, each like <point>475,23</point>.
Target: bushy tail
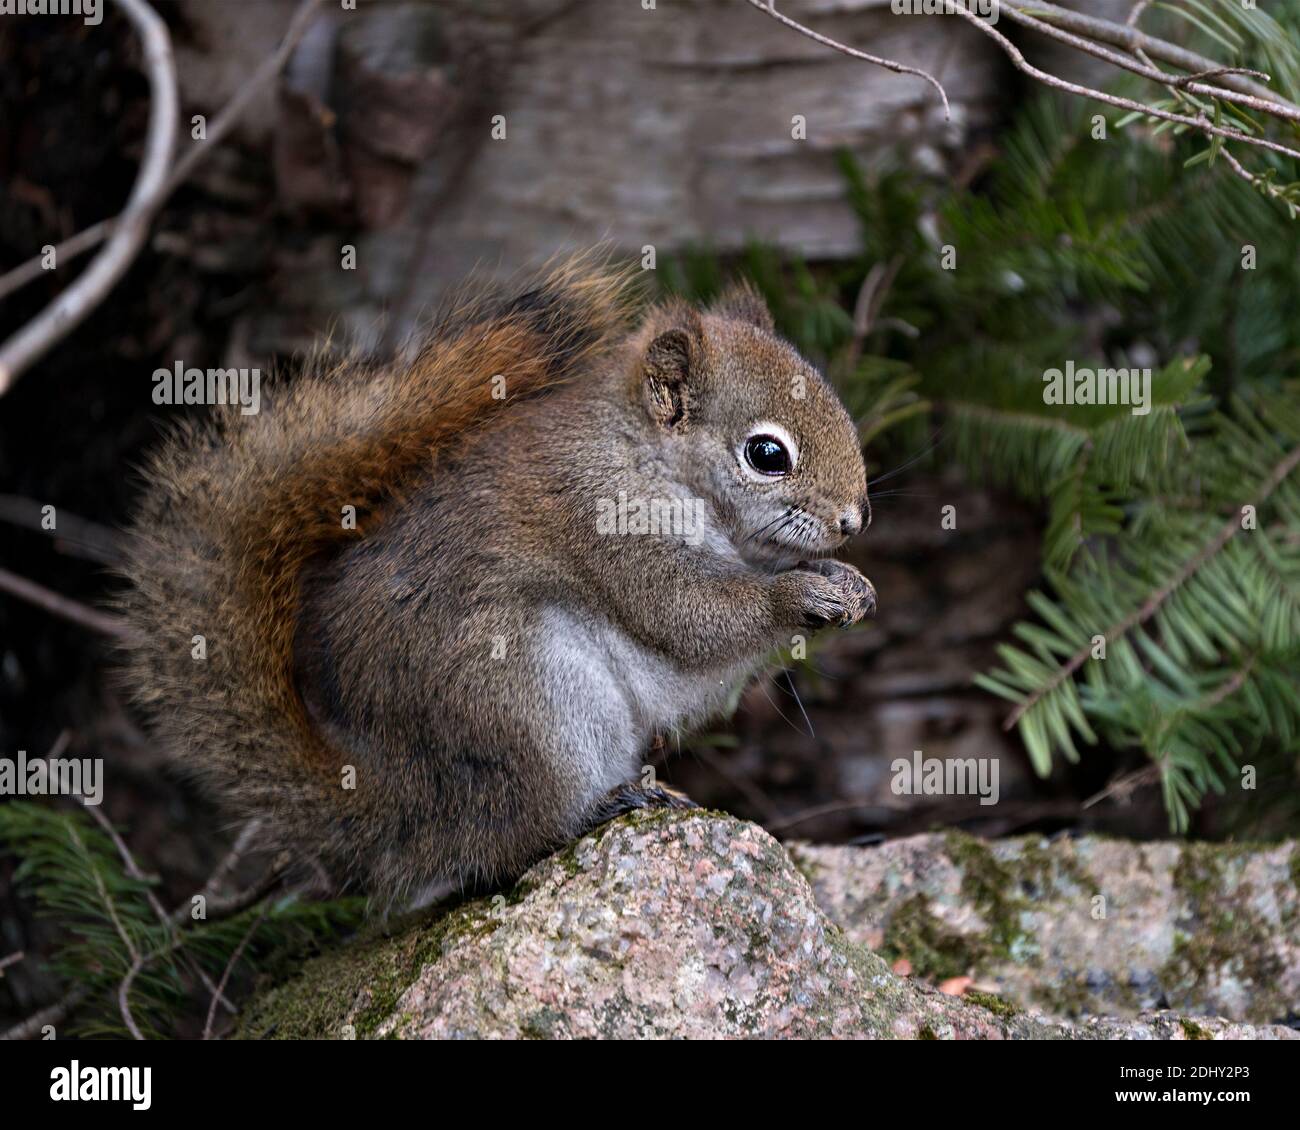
<point>235,508</point>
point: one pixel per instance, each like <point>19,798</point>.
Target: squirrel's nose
<point>857,518</point>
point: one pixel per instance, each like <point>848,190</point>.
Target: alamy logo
<point>180,385</point>
<point>948,776</point>
<point>102,1084</point>
<point>660,517</point>
<point>1099,386</point>
<point>986,10</point>
<point>91,11</point>
<point>53,776</point>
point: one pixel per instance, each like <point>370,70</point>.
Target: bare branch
<point>124,996</point>
<point>1267,103</point>
<point>1131,39</point>
<point>72,610</point>
<point>769,7</point>
<point>1022,64</point>
<point>69,249</point>
<point>231,905</point>
<point>871,297</point>
<point>128,860</point>
<point>67,311</point>
<point>225,868</point>
<point>1183,80</point>
<point>219,127</point>
<point>1097,37</point>
<point>1123,787</point>
<point>217,993</point>
<point>89,540</point>
<point>1250,178</point>
<point>229,116</point>
<point>53,1014</point>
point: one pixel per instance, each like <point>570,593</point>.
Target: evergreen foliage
<point>72,872</point>
<point>1110,254</point>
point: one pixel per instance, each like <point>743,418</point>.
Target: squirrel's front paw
<point>831,592</point>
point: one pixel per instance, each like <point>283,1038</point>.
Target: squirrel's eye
<point>767,455</point>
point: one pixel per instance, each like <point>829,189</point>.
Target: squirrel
<point>383,616</point>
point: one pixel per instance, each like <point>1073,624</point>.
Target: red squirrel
<point>428,657</point>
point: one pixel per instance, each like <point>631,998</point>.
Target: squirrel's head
<point>747,423</point>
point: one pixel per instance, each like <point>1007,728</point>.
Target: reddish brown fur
<point>376,649</point>
<point>239,507</point>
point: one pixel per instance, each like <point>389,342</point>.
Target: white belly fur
<point>631,692</point>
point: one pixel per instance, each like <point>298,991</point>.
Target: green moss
<point>360,984</point>
<point>934,951</point>
<point>1198,873</point>
<point>999,892</point>
<point>995,1004</point>
<point>1041,872</point>
<point>1225,939</point>
<point>992,889</point>
<point>1193,1031</point>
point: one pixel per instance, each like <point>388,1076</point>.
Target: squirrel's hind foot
<point>632,796</point>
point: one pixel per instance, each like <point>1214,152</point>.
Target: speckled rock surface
<point>1085,926</point>
<point>665,924</point>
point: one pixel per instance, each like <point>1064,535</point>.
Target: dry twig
<point>92,236</point>
<point>1093,36</point>
<point>87,540</point>
<point>220,988</point>
<point>42,597</point>
<point>769,7</point>
<point>1022,64</point>
<point>51,1016</point>
<point>67,311</point>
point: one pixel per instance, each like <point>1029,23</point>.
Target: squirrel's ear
<point>743,303</point>
<point>670,366</point>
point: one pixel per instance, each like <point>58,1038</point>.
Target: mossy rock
<point>659,925</point>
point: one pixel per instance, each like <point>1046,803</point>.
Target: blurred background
<point>934,266</point>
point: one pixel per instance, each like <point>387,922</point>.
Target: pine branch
<point>118,942</point>
<point>1156,600</point>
